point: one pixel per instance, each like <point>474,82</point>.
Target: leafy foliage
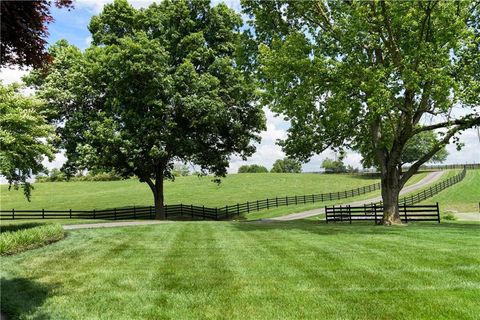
<point>23,25</point>
<point>25,137</point>
<point>366,75</point>
<point>158,85</point>
<point>286,165</point>
<point>334,166</point>
<point>253,168</point>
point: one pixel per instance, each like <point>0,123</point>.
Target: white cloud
<point>12,74</point>
<point>88,40</point>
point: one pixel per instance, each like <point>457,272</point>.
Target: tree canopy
<point>368,75</point>
<point>25,137</point>
<point>24,31</point>
<point>286,165</point>
<point>157,86</point>
<point>253,168</point>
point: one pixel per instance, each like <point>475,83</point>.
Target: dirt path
<point>112,224</point>
<point>431,177</point>
<point>467,216</point>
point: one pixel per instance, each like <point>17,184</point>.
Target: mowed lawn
<point>461,197</point>
<point>235,188</point>
<point>238,270</point>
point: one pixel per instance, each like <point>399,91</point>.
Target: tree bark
<point>159,201</point>
<point>390,195</point>
<point>157,190</point>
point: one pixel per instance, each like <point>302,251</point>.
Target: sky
<point>72,26</point>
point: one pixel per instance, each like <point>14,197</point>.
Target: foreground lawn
<point>462,197</point>
<point>228,270</point>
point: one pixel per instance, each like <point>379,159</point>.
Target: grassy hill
<point>190,190</point>
<point>462,197</point>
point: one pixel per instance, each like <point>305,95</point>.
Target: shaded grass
<point>18,238</point>
<point>228,270</point>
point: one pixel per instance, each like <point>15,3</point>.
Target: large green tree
<point>286,165</point>
<point>368,75</point>
<point>157,86</point>
<point>25,137</point>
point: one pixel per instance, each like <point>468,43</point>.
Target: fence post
<point>313,198</point>
<point>13,214</point>
<point>350,214</point>
<point>216,213</point>
<point>248,206</point>
<point>94,215</point>
<point>405,212</point>
<point>238,209</point>
<point>326,215</point>
<point>268,204</point>
<point>257,205</point>
<point>70,213</point>
<point>286,200</point>
<point>114,213</point>
<point>226,210</point>
<point>375,210</point>
<point>438,213</point>
<point>203,212</point>
<point>276,202</point>
<point>304,199</point>
<point>296,200</point>
<point>43,213</point>
<point>166,210</point>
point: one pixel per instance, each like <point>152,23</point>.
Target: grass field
<point>462,197</point>
<point>232,270</point>
<point>189,190</point>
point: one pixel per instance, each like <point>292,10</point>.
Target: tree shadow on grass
<point>22,297</point>
<point>17,227</point>
<point>360,228</point>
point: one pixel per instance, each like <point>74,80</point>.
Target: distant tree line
<point>285,165</point>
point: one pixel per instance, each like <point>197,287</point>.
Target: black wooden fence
<point>433,190</point>
<point>374,212</point>
<point>182,210</point>
<point>217,213</point>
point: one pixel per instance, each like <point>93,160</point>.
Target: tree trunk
<point>159,204</point>
<point>390,195</point>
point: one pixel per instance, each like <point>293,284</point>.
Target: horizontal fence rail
<point>187,211</point>
<point>374,212</point>
<point>433,190</point>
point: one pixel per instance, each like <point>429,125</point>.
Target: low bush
<point>29,237</point>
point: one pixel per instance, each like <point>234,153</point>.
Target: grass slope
<point>228,270</point>
<point>189,190</point>
<point>461,197</point>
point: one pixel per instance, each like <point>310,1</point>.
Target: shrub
<point>448,216</point>
<point>29,237</point>
<point>254,168</point>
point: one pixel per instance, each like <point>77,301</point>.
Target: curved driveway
<point>431,177</point>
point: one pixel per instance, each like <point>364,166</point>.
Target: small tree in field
<point>158,86</point>
<point>286,165</point>
<point>253,168</point>
<point>369,75</point>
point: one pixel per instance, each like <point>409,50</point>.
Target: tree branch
<point>468,121</point>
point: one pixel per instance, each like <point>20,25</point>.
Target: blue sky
<point>73,26</point>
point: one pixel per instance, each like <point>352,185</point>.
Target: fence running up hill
<point>182,210</point>
<point>202,212</point>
